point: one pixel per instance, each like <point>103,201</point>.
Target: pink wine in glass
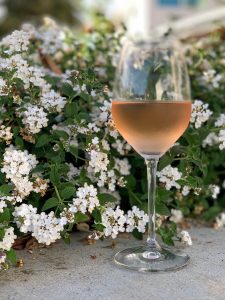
<point>151,127</point>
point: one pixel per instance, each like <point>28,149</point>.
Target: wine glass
<point>151,109</point>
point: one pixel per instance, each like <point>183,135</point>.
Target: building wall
<point>164,10</point>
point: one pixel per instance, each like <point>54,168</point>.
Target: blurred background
<point>139,16</point>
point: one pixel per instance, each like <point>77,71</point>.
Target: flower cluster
<point>17,166</point>
<point>45,228</point>
<point>86,199</point>
<point>200,113</point>
<point>220,221</point>
<point>211,79</point>
<point>185,238</point>
<point>5,134</point>
<point>34,118</point>
<point>136,219</point>
<point>113,221</point>
<point>169,176</point>
<point>176,215</point>
<point>18,41</point>
<point>8,239</point>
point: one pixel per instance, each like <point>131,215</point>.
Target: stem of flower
<point>58,195</point>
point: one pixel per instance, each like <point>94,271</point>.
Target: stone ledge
<point>79,271</point>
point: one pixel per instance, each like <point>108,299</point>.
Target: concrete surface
<point>80,271</point>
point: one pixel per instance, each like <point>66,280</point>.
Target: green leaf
<point>96,214</point>
<point>167,233</point>
<point>19,142</point>
<point>80,217</point>
<point>131,181</point>
<point>61,134</point>
<point>74,150</point>
<point>167,239</point>
<point>67,89</point>
<point>71,110</point>
<point>68,192</point>
<point>211,213</point>
<point>165,161</point>
<point>134,199</point>
<point>2,233</point>
<point>138,235</point>
<point>11,256</point>
<point>5,215</point>
<point>5,190</point>
<point>105,198</point>
<point>99,227</point>
<point>50,203</point>
<point>162,209</point>
<point>66,238</point>
<point>43,140</point>
<point>54,175</point>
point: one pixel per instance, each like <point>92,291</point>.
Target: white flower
<point>95,141</point>
<point>2,259</point>
<point>93,93</point>
<point>169,176</point>
<point>23,186</point>
<point>215,190</point>
<point>136,218</point>
<point>40,186</point>
<point>34,118</point>
<point>105,111</point>
<point>2,85</point>
<point>2,205</point>
<point>211,139</point>
<point>185,238</point>
<point>92,127</point>
<point>8,239</point>
<point>86,199</point>
<point>200,113</point>
<point>121,146</point>
<point>106,177</point>
<point>17,163</point>
<point>114,221</point>
<point>83,88</point>
<point>6,134</point>
<point>176,216</point>
<point>52,37</point>
<point>123,166</point>
<point>18,41</point>
<point>220,220</point>
<point>220,121</point>
<point>210,79</point>
<point>12,199</point>
<point>105,145</point>
<point>52,101</point>
<point>98,161</point>
<point>23,216</point>
<point>73,171</point>
<point>185,190</point>
<point>44,227</point>
<point>221,138</point>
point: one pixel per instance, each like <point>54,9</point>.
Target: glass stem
<point>151,175</point>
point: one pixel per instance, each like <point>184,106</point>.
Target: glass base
<point>143,260</point>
